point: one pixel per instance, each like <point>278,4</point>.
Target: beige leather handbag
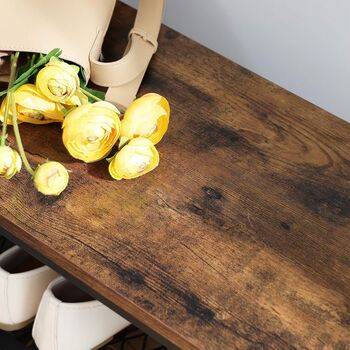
<point>78,27</point>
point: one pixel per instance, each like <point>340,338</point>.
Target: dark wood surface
<point>239,240</point>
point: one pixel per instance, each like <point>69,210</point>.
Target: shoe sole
<point>103,344</point>
<point>15,327</point>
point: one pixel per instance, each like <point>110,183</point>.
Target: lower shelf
<point>130,338</point>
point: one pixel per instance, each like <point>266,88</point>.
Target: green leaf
<point>31,59</point>
<point>82,77</point>
<point>110,158</point>
<point>24,77</point>
<point>31,62</point>
<point>24,68</point>
<point>99,94</point>
<point>67,109</point>
<point>54,59</point>
<point>122,142</point>
<point>76,68</point>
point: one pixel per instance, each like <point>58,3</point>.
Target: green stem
<point>14,60</point>
<point>18,138</point>
<point>89,94</point>
<point>32,61</point>
<point>4,123</point>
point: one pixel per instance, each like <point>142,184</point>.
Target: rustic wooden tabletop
<point>239,240</point>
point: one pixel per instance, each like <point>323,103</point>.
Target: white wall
<point>302,45</point>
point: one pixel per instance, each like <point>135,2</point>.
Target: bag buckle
<point>145,36</point>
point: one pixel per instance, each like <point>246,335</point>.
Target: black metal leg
<point>8,342</point>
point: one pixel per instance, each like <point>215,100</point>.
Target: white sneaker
<point>68,318</point>
<point>23,280</point>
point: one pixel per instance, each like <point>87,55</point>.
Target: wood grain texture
<point>239,240</point>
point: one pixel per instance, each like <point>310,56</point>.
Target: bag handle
<point>124,77</point>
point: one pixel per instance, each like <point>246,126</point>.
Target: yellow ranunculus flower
<point>148,116</point>
<point>135,159</point>
<point>59,82</point>
<point>51,178</point>
<point>33,107</point>
<point>90,131</point>
<point>10,162</point>
<point>9,116</point>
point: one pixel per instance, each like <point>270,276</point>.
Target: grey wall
<point>302,45</point>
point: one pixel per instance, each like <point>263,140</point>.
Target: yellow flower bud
<point>59,82</point>
<point>135,159</point>
<point>33,107</point>
<point>90,131</point>
<point>10,162</point>
<point>51,178</point>
<point>148,116</point>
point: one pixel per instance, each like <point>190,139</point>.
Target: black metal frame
<point>9,342</point>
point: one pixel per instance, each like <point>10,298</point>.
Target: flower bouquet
<point>48,90</point>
